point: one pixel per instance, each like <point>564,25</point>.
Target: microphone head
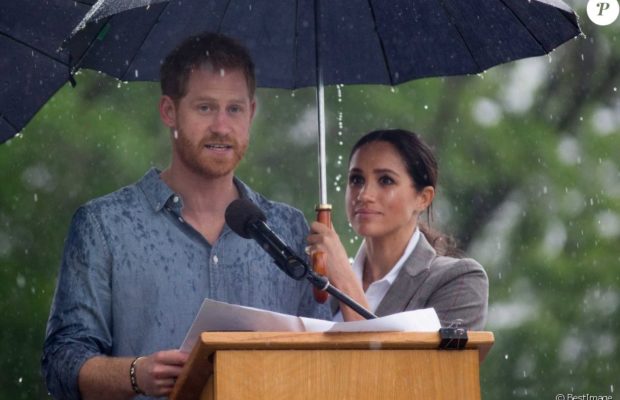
<point>240,213</point>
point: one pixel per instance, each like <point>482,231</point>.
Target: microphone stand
<point>322,283</point>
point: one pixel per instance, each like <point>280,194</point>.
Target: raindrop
<point>545,189</point>
<point>425,106</point>
<point>506,356</point>
<point>136,73</point>
<point>615,89</point>
<point>176,134</point>
<point>20,380</point>
<point>21,281</point>
<point>36,198</point>
<point>611,388</point>
<point>222,72</point>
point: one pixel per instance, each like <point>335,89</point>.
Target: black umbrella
<point>32,68</point>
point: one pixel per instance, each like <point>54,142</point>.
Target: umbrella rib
<point>471,53</point>
<point>144,38</point>
<point>385,57</point>
<point>6,119</point>
<point>35,49</point>
<point>219,26</point>
<point>526,27</point>
<point>295,45</point>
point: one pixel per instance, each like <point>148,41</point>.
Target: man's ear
<point>167,111</point>
<point>252,109</point>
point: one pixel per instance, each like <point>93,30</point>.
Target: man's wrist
<point>133,377</point>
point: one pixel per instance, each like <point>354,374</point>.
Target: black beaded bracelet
<point>132,377</point>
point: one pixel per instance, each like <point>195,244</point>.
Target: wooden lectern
<point>325,366</point>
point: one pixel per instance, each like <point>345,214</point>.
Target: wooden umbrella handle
<point>319,258</point>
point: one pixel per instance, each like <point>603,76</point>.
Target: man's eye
<point>235,109</point>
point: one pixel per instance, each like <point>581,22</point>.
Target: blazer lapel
<point>409,279</point>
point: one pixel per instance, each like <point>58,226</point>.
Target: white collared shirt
<point>377,290</point>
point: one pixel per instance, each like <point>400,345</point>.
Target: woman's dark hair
<point>422,168</point>
<point>208,49</point>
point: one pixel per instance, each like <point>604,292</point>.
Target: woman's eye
<point>356,180</point>
<point>386,180</point>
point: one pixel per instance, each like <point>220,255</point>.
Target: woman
<point>401,265</point>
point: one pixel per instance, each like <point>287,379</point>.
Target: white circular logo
<point>603,12</point>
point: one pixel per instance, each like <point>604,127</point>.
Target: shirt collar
<point>360,257</point>
<point>158,193</point>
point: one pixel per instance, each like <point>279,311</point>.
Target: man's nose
<point>221,122</point>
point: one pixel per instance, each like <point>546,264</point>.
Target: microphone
<point>248,221</point>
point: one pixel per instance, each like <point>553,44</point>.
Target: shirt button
<point>215,259</point>
<point>175,199</point>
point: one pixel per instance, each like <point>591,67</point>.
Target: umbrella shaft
<point>321,105</point>
<point>322,152</point>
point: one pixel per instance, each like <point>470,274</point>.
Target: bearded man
<point>138,262</point>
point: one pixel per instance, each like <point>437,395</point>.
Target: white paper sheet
<point>218,316</point>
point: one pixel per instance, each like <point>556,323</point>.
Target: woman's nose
<point>366,192</point>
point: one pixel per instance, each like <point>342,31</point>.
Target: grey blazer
<point>458,289</point>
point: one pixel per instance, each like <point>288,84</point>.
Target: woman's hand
<point>325,239</point>
<point>339,271</point>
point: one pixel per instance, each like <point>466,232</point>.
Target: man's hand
<point>157,373</point>
<point>107,378</point>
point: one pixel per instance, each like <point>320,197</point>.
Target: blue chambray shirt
<point>134,275</point>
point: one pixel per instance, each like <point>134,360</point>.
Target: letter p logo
<point>603,12</point>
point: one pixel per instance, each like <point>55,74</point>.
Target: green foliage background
<point>529,184</point>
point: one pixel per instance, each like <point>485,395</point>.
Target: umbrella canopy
<point>358,41</point>
<point>31,67</point>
